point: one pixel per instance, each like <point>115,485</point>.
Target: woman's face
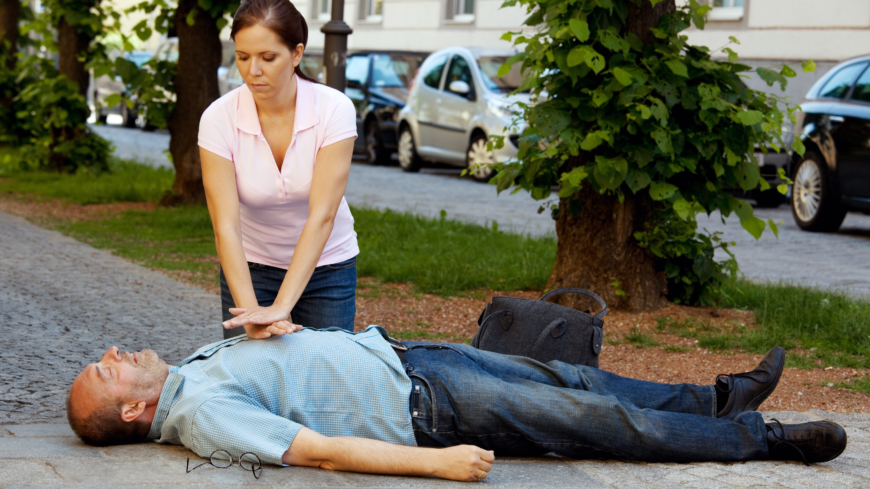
<point>265,63</point>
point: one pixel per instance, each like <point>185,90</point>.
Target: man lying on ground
<point>353,402</point>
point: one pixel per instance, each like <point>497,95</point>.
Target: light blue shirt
<point>245,395</point>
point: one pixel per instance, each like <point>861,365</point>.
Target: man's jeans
<point>521,407</point>
<point>329,299</point>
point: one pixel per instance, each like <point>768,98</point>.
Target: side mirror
<point>354,83</point>
<point>459,87</point>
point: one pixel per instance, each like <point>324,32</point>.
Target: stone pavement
<point>62,303</point>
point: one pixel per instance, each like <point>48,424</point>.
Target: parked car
<point>833,176</point>
<point>229,77</point>
<point>456,103</point>
<point>104,87</point>
<point>377,83</point>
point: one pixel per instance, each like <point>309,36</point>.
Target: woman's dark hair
<point>280,17</point>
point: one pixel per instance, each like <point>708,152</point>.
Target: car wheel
<point>128,116</point>
<point>479,160</point>
<point>409,161</point>
<point>375,152</point>
<point>813,203</point>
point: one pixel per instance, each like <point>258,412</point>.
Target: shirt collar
<point>167,397</point>
<point>306,115</point>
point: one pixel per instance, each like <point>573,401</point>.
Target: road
<point>838,261</point>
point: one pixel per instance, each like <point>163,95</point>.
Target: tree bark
<point>196,87</point>
<point>596,247</point>
<point>10,11</point>
<point>71,42</point>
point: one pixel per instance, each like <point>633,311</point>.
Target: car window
<point>459,71</point>
<point>357,69</point>
<point>840,83</point>
<point>233,74</point>
<point>312,65</point>
<point>489,65</point>
<point>172,53</point>
<point>432,77</point>
<point>862,88</point>
<point>391,71</point>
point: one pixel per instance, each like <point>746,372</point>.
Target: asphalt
<point>62,303</point>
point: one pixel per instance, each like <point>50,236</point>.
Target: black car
<point>833,176</point>
<point>377,83</point>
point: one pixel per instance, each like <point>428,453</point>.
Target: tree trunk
<point>196,87</point>
<point>70,44</point>
<point>10,11</point>
<point>597,249</point>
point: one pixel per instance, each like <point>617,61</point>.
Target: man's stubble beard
<point>153,374</point>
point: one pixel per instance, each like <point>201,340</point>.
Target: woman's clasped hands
<point>262,322</point>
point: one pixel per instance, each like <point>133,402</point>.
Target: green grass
<point>126,181</point>
<point>420,334</point>
<point>446,257</point>
<point>639,339</point>
<point>861,384</point>
<point>676,349</point>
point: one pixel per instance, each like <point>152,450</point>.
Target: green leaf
<point>772,76</point>
<point>682,208</point>
<point>578,55</point>
<point>222,22</point>
<point>808,66</point>
<point>733,39</point>
<point>786,71</point>
<point>622,76</point>
<point>595,61</point>
<point>754,225</point>
<point>750,117</point>
<point>782,188</point>
<point>637,180</point>
<point>732,56</point>
<point>549,121</point>
<point>798,146</point>
<point>661,190</point>
<point>677,67</point>
<point>594,139</point>
<point>507,36</point>
<point>773,227</point>
<point>663,140</point>
<point>113,100</point>
<point>580,29</point>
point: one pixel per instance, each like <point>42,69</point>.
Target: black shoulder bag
<point>542,330</point>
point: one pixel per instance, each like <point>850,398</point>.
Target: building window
<point>323,11</point>
<point>371,10</point>
<point>460,10</point>
<point>726,10</point>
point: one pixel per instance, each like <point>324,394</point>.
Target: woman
<point>275,160</point>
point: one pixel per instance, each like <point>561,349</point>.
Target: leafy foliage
<point>663,120</point>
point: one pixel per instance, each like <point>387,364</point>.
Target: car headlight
<point>501,108</point>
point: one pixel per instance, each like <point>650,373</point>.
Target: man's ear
<point>132,410</point>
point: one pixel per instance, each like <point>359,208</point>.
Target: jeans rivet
<point>434,430</point>
<point>415,413</point>
<point>416,387</point>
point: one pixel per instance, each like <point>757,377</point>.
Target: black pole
<point>335,47</point>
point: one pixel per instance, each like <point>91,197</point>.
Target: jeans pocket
<point>422,405</point>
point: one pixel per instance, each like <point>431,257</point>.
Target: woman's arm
<point>461,463</point>
<point>219,180</point>
<point>328,184</point>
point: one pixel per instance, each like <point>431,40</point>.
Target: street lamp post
<point>335,47</point>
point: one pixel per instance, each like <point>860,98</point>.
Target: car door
<point>428,100</point>
<point>357,75</point>
<point>455,110</point>
<point>852,140</point>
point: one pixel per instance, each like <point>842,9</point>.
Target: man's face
<point>121,376</point>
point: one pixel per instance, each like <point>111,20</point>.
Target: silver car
<point>455,103</point>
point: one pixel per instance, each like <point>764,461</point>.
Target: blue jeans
<point>520,407</point>
<point>329,299</point>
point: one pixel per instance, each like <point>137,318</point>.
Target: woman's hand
<point>262,322</point>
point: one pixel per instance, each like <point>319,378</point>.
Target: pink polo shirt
<point>273,203</point>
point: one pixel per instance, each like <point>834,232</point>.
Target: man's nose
<point>113,353</point>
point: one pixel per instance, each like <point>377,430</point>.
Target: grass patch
<point>424,335</point>
<point>447,257</point>
<point>861,384</point>
<point>126,181</point>
<point>639,339</point>
<point>676,349</point>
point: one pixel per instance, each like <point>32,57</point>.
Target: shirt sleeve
<point>341,121</point>
<point>238,424</point>
<point>215,132</point>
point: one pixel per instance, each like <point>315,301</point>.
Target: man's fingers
<point>487,456</point>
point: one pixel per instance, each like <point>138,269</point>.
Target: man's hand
<point>465,463</point>
<point>262,322</point>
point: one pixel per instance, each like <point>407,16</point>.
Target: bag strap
<point>585,292</point>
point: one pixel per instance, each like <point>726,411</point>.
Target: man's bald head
<point>112,402</point>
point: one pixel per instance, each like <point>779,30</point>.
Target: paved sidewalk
<point>62,303</point>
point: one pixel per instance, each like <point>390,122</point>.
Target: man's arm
<point>461,463</point>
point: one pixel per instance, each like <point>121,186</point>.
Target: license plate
<point>760,158</point>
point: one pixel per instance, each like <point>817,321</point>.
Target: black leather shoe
<point>748,390</point>
<point>818,441</point>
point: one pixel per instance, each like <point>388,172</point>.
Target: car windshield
<point>139,59</point>
<point>489,65</point>
<point>394,70</point>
